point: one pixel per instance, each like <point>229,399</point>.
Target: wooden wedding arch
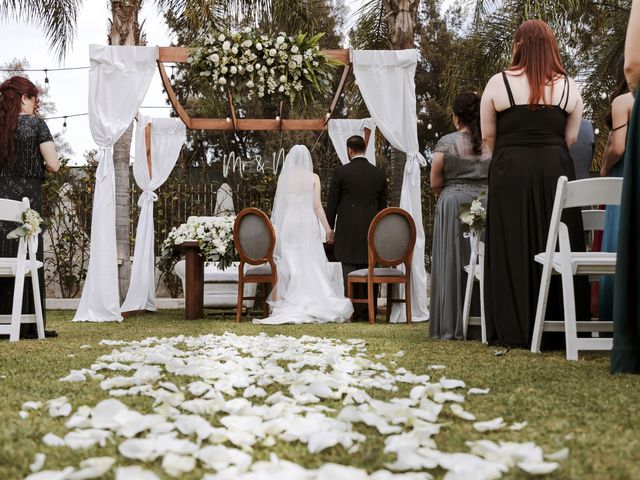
<point>181,54</point>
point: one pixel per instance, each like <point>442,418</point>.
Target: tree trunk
<point>401,16</point>
<point>125,30</point>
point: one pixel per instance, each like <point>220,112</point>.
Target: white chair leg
<point>467,295</point>
<point>35,282</point>
<point>16,311</point>
<point>568,297</point>
<point>483,321</point>
<point>541,308</point>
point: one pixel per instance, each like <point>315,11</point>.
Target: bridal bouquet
<point>214,236</point>
<point>32,221</point>
<point>474,215</point>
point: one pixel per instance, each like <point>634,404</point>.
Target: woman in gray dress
<point>459,175</point>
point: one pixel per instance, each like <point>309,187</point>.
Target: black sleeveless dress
<point>23,178</point>
<point>529,156</point>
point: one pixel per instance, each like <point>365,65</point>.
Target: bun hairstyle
<point>621,88</point>
<point>466,106</point>
<point>11,92</point>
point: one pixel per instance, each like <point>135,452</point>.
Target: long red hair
<point>536,53</point>
<point>11,92</point>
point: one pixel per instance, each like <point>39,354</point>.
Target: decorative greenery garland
<point>249,65</point>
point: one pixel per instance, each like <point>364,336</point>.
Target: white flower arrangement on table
<point>248,65</point>
<point>474,215</point>
<point>31,226</point>
<point>214,236</point>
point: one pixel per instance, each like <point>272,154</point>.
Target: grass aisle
<point>578,405</point>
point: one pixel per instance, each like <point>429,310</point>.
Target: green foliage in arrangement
<point>249,64</point>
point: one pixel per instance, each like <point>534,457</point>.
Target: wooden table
<point>194,280</point>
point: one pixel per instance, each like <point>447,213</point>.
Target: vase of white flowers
<point>214,236</point>
<point>31,226</point>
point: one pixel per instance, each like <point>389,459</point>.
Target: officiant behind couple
<point>308,289</point>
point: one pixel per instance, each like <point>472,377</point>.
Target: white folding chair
<point>579,193</point>
<point>19,267</point>
<point>475,271</point>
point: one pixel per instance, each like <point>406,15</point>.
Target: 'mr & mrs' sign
<point>235,163</point>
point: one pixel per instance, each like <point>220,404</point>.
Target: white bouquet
<point>474,215</point>
<point>215,238</point>
<point>31,226</point>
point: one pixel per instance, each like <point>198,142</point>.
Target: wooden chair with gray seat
<point>255,240</point>
<point>391,238</point>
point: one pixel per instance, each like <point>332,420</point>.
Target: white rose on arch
<point>226,45</point>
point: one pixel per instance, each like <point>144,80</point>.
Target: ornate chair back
<point>254,236</point>
<point>392,236</point>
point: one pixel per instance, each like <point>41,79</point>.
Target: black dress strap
<point>565,91</point>
<point>508,87</point>
<point>620,126</point>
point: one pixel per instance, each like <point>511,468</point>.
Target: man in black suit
<point>358,192</point>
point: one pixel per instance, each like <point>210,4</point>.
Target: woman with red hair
<point>26,152</point>
<point>530,114</point>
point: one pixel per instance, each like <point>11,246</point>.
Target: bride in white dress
<point>307,291</point>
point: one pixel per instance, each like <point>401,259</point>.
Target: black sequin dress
<point>18,179</point>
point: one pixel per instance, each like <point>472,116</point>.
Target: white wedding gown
<point>307,291</point>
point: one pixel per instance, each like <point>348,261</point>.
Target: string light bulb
<point>173,77</point>
<point>46,76</point>
<point>64,124</point>
<point>277,118</point>
<point>228,119</point>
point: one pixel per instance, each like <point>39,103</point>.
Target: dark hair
<point>466,106</point>
<point>357,144</point>
<point>11,92</point>
<point>622,87</point>
<point>536,53</point>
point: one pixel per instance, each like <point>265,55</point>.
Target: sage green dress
<point>465,179</point>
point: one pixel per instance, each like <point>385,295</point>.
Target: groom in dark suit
<point>358,192</point>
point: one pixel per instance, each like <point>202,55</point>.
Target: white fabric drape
<point>386,81</point>
<point>118,81</point>
<point>167,137</point>
<point>340,131</point>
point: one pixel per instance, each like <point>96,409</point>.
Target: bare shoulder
<point>624,101</point>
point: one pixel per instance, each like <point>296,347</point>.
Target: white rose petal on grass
<point>74,376</point>
<point>561,454</point>
<point>538,468</point>
<point>450,383</point>
<point>458,411</point>
<point>23,415</point>
<point>85,347</point>
<point>94,467</point>
<point>489,425</point>
<point>387,475</point>
<point>51,474</point>
<point>31,405</point>
<point>518,426</point>
<point>478,391</point>
<point>441,397</point>
<point>59,407</point>
<point>38,462</point>
<point>135,472</point>
<point>399,353</point>
<point>437,367</point>
<point>176,465</point>
<point>53,440</point>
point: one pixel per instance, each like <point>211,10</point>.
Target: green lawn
<point>578,405</point>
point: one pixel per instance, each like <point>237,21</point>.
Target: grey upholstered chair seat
<point>378,272</point>
<point>258,271</point>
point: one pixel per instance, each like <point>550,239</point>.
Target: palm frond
<point>57,18</point>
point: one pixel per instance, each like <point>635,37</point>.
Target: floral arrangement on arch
<point>215,237</point>
<point>248,64</point>
<point>474,215</point>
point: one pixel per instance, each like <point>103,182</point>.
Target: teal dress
<point>625,357</point>
<point>610,244</point>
